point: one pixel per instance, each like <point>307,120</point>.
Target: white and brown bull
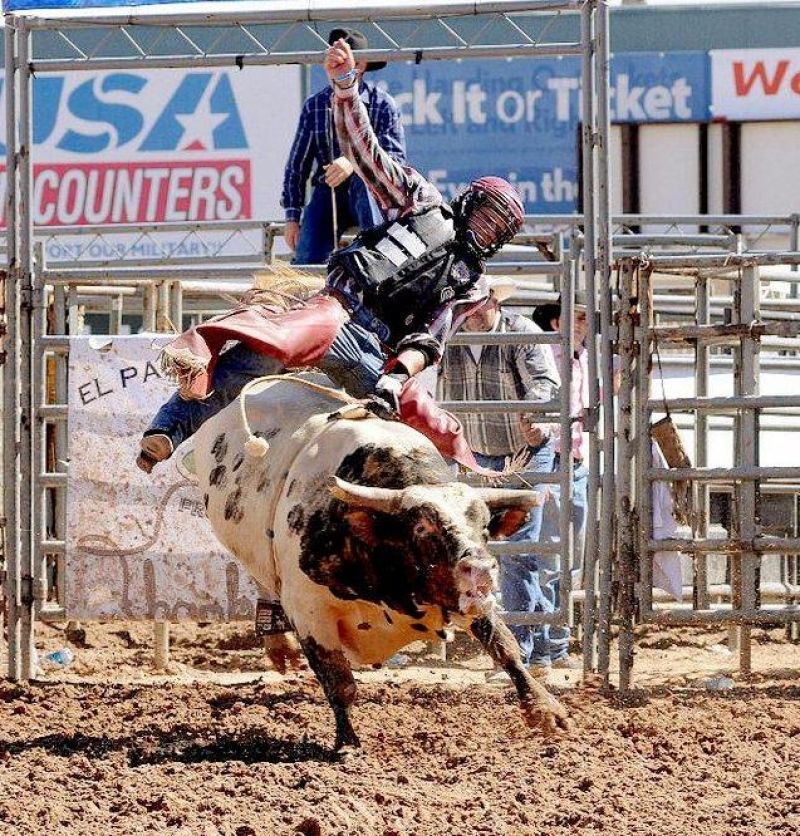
<point>355,525</point>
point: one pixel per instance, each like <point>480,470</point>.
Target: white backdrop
<point>137,546</point>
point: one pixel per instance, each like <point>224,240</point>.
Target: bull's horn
<point>504,497</point>
<point>386,500</point>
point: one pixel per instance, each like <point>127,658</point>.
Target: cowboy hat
<point>501,288</point>
<point>357,40</point>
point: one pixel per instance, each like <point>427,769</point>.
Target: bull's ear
<point>506,522</point>
<point>362,525</point>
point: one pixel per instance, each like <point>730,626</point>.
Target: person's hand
<point>338,171</point>
<point>339,60</point>
<point>291,234</point>
<point>388,389</point>
<point>534,434</point>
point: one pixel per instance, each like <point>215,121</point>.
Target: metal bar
<point>707,474</point>
<point>772,545</point>
<point>701,491</point>
<point>747,425</point>
<point>644,446</point>
<point>11,371</point>
<point>53,480</point>
<point>500,548</point>
<point>304,11</point>
<point>565,464</point>
<point>595,635</point>
<point>603,269</point>
<point>25,222</point>
<point>631,239</point>
<point>507,338</point>
<point>436,53</point>
<point>627,523</point>
<point>727,404</point>
<point>62,441</point>
<point>732,260</point>
<point>679,617</point>
<point>726,333</point>
<point>542,408</point>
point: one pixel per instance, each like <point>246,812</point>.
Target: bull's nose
<point>476,574</point>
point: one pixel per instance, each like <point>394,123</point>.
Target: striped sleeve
<point>398,189</point>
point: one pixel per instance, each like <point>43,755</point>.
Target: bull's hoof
<point>546,715</point>
<point>346,743</point>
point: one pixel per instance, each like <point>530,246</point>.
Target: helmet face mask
<point>490,214</point>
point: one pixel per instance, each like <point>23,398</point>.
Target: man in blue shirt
<point>316,146</point>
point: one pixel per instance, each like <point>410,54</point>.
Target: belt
<point>360,314</point>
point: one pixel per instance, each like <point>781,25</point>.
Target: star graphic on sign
<point>198,127</point>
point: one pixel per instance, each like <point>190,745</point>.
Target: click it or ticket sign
<point>141,147</point>
<point>755,83</point>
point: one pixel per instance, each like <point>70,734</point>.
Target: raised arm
<point>397,188</point>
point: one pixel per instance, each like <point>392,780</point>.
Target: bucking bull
<point>354,524</point>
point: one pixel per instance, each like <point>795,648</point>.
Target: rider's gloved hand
<point>389,386</point>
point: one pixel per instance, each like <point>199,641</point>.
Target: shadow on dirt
<point>177,745</point>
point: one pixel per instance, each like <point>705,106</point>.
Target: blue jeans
<point>354,207</point>
<point>354,361</point>
<point>519,581</point>
<point>551,641</point>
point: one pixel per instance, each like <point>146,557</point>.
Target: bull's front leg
<point>336,678</point>
<point>540,708</point>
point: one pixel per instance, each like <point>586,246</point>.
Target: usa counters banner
<point>519,118</point>
<point>158,146</point>
<point>137,546</point>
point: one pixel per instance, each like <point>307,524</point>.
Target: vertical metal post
<point>794,245</point>
<point>60,497</point>
<point>702,493</point>
<point>38,434</point>
<point>627,524</point>
<point>25,335</point>
<point>590,634</point>
<point>644,446</point>
<point>603,269</point>
<point>162,317</point>
<point>11,379</point>
<point>161,644</point>
<point>176,306</point>
<point>115,314</point>
<point>747,428</point>
<point>149,305</point>
<point>567,545</point>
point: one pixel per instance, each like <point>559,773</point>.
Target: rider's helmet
<point>489,213</point>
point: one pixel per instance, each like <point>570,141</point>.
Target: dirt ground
<point>217,746</point>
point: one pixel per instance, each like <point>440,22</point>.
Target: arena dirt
<point>216,747</point>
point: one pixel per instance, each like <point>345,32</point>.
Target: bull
<point>355,525</point>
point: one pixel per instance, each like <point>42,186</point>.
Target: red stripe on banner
<point>148,192</point>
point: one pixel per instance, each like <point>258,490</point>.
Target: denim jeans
<point>354,207</point>
<point>551,641</point>
<point>519,581</point>
<point>354,361</point>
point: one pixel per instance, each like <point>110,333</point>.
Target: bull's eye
<point>421,530</point>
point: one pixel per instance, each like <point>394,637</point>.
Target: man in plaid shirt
<point>316,146</point>
<point>503,373</point>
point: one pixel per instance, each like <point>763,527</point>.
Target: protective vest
<point>406,269</point>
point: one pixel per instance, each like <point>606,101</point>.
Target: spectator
<point>499,373</point>
<point>551,642</point>
<point>316,145</point>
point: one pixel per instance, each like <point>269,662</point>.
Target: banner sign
<point>519,118</point>
<point>755,83</point>
<point>137,546</point>
<point>147,147</point>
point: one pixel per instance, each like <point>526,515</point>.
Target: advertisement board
<point>157,146</point>
<point>755,84</point>
<point>519,118</point>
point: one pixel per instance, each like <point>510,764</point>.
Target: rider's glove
<point>388,389</point>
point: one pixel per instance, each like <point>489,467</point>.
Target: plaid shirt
<point>502,373</point>
<point>316,144</point>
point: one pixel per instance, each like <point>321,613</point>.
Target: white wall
<point>770,168</point>
<point>669,166</point>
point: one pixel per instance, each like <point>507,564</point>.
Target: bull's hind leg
<point>336,677</point>
<point>540,708</point>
